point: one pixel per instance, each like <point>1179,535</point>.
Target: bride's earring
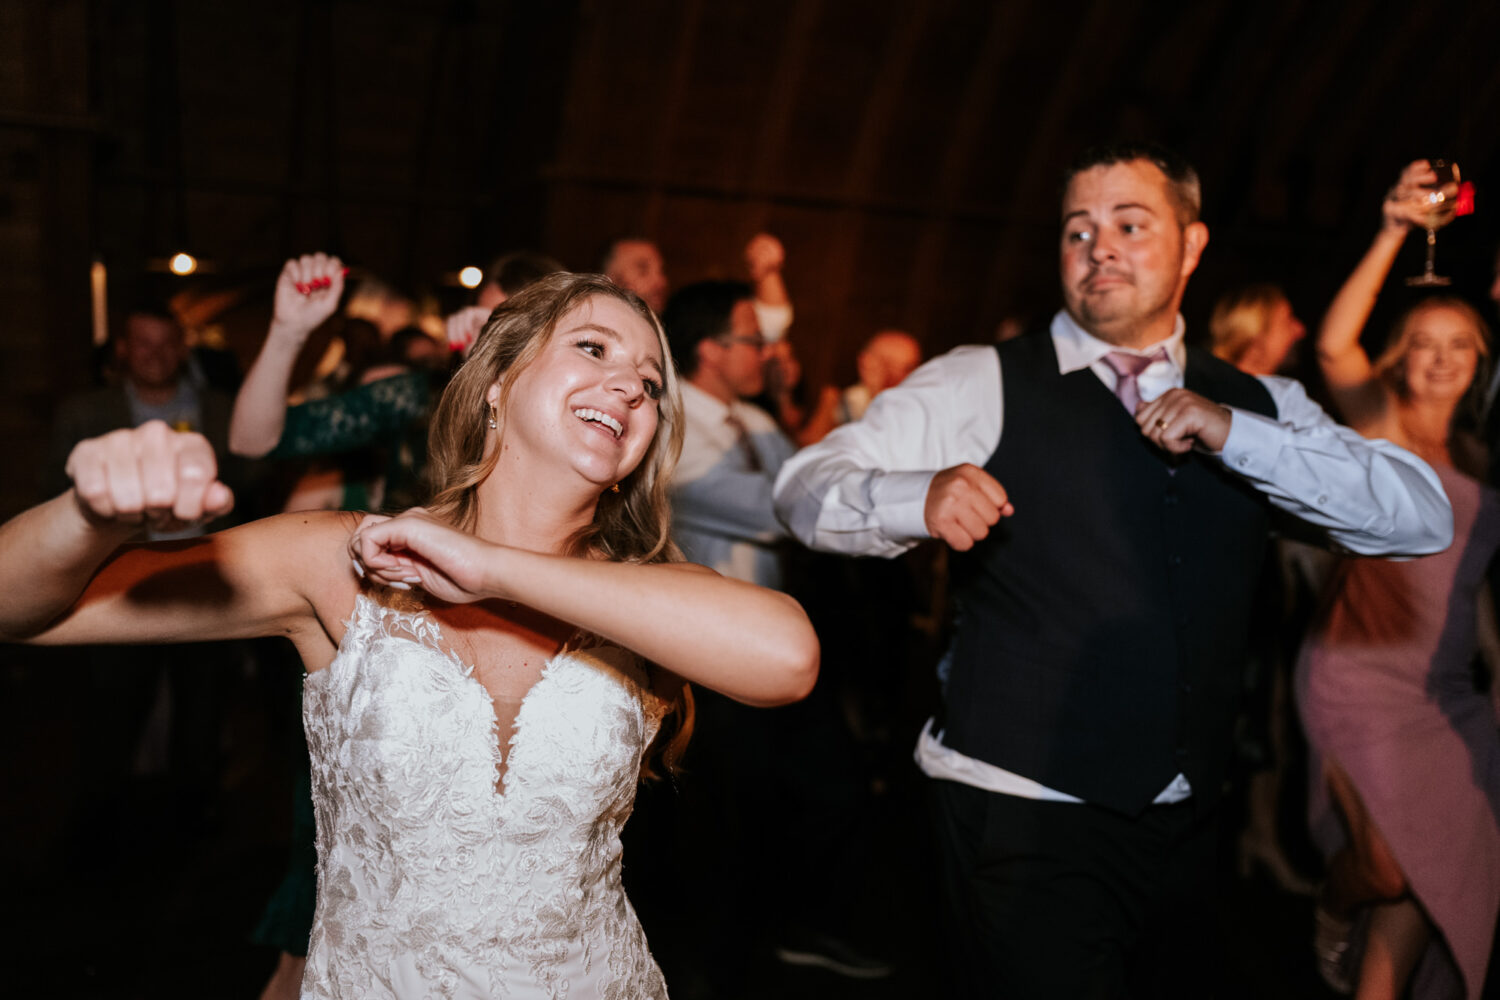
<point>493,424</point>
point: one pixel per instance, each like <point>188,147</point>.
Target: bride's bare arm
<point>749,643</point>
<point>70,582</point>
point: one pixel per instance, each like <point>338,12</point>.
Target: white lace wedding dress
<point>433,881</point>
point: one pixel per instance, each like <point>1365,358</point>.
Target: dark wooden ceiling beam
<point>434,96</point>
<point>782,98</point>
<point>1002,36</point>
<point>683,49</point>
<point>839,266</point>
<point>1089,64</point>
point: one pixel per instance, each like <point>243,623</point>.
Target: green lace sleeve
<point>369,415</point>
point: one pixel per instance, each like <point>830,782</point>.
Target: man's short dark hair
<point>1183,186</point>
<point>514,271</point>
<point>146,304</point>
<point>697,313</point>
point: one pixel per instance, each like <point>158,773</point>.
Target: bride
<point>487,677</point>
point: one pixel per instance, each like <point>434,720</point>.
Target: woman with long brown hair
<point>486,677</point>
<point>1406,791</point>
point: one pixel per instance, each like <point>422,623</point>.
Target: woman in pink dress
<point>1406,788</point>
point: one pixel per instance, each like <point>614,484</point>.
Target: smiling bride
<point>488,677</point>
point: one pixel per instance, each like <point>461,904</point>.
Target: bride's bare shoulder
<point>307,551</point>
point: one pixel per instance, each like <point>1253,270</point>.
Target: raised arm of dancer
<point>70,585</point>
<point>764,258</point>
<point>749,643</point>
<point>1346,367</point>
<point>307,292</point>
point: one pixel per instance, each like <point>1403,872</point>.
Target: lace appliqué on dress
<point>434,883</point>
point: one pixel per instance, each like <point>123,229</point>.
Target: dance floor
<point>142,895</point>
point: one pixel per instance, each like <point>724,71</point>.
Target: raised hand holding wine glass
<point>1431,186</point>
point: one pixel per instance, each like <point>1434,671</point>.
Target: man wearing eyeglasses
<point>778,794</point>
<point>732,449</point>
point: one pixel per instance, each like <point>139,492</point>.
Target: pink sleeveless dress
<point>1386,688</point>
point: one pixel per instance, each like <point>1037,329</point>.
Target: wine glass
<point>1439,213</point>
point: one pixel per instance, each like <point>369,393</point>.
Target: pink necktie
<point>1128,367</point>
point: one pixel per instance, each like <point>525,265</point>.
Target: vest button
<point>1187,689</point>
<point>1174,560</point>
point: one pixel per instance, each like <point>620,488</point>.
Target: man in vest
<point>1106,546</point>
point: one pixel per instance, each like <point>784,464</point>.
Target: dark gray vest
<point>1101,629</point>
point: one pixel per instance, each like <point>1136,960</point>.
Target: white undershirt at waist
<point>939,761</point>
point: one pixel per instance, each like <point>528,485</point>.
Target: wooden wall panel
<point>907,154</point>
<point>46,224</point>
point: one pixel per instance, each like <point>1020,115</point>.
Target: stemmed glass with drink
<point>1439,212</point>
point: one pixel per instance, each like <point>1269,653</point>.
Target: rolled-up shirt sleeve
<point>1369,496</point>
<point>862,490</point>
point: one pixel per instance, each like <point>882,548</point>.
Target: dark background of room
<point>908,155</point>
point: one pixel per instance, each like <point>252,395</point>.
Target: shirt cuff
<point>900,501</point>
<point>1253,444</point>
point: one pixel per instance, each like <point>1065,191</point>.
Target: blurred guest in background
<point>784,395</point>
<point>152,712</point>
<point>775,799</point>
<point>1255,329</point>
<point>1405,797</point>
<point>509,273</point>
<point>635,263</point>
<point>732,449</point>
<point>882,363</point>
<point>506,276</point>
<point>155,384</point>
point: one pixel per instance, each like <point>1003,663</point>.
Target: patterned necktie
<point>752,460</point>
<point>1129,367</point>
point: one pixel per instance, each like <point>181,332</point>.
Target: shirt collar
<point>1077,348</point>
<point>702,406</point>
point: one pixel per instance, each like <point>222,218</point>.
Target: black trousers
<point>1056,899</point>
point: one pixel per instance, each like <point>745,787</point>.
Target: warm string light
<point>99,300</point>
<point>470,277</point>
<point>183,263</point>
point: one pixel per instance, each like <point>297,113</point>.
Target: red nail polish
<point>1465,204</point>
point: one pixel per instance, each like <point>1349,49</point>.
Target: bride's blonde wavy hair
<point>630,526</point>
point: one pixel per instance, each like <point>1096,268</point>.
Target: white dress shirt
<point>721,492</point>
<point>862,490</point>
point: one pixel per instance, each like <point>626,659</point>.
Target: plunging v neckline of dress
<point>424,631</point>
<point>433,879</point>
